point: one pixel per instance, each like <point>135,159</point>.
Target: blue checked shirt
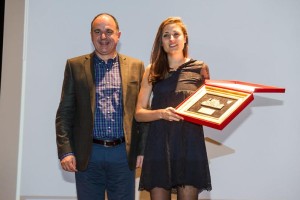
<point>108,123</point>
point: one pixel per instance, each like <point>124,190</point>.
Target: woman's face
<point>173,39</point>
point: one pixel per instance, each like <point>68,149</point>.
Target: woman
<point>175,157</point>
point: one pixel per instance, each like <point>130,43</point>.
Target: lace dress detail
<point>175,152</point>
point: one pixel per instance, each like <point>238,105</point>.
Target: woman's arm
<point>143,114</point>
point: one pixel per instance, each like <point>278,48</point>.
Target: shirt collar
<point>109,61</point>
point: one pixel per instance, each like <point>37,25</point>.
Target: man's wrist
<point>65,155</point>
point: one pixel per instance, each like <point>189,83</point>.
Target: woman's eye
<point>166,35</point>
<point>176,35</point>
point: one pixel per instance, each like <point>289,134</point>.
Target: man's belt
<point>109,143</point>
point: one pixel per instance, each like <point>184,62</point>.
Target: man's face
<point>105,36</point>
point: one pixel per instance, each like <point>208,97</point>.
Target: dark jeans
<point>107,171</point>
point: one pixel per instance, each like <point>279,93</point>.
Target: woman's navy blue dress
<point>175,153</point>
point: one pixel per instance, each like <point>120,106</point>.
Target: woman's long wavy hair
<point>159,61</point>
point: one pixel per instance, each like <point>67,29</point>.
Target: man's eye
<point>96,31</point>
<point>109,32</point>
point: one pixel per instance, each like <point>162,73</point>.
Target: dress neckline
<point>182,66</point>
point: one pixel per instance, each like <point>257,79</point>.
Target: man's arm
<point>64,115</point>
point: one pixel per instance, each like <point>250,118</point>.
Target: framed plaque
<point>216,103</point>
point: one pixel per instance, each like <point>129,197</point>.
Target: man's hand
<point>68,163</point>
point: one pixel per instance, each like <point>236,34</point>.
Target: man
<point>97,136</point>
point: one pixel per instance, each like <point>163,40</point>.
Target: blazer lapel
<point>90,76</point>
<point>124,76</point>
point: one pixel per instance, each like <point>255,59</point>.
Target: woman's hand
<point>139,161</point>
<point>169,114</point>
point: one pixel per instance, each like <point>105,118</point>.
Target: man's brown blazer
<point>75,114</point>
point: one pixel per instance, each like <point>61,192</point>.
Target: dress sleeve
<point>205,72</point>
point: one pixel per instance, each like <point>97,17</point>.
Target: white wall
<point>10,99</point>
<point>248,40</point>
